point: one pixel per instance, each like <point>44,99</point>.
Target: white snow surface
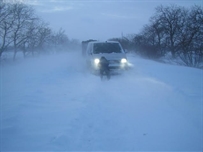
<point>53,103</point>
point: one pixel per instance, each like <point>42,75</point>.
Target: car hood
<point>110,56</point>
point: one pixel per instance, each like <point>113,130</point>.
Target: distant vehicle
<point>111,50</point>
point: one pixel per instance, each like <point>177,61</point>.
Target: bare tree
<point>29,44</point>
<point>174,29</point>
<point>191,44</point>
<point>158,35</point>
<point>59,40</point>
<point>21,30</point>
<point>43,36</point>
<point>6,24</point>
<point>171,19</point>
<point>162,34</point>
<point>23,15</point>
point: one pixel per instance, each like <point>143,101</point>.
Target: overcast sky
<point>101,19</point>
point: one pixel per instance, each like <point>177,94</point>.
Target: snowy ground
<point>53,103</point>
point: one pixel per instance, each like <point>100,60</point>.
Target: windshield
<point>106,48</point>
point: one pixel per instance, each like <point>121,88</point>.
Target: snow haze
<point>54,103</point>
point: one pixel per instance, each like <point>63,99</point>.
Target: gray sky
<point>100,19</point>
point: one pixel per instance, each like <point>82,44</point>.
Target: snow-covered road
<point>53,103</point>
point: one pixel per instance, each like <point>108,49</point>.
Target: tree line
<point>171,30</point>
<point>22,30</point>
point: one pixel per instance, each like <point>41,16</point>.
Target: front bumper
<point>113,65</point>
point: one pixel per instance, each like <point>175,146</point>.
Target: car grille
<point>114,62</point>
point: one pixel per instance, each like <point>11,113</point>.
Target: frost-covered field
<point>53,103</point>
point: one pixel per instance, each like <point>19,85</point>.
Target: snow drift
<point>54,103</point>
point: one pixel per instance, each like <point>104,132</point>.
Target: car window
<point>106,48</point>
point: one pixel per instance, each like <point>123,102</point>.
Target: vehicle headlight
<point>96,61</point>
<point>123,60</point>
